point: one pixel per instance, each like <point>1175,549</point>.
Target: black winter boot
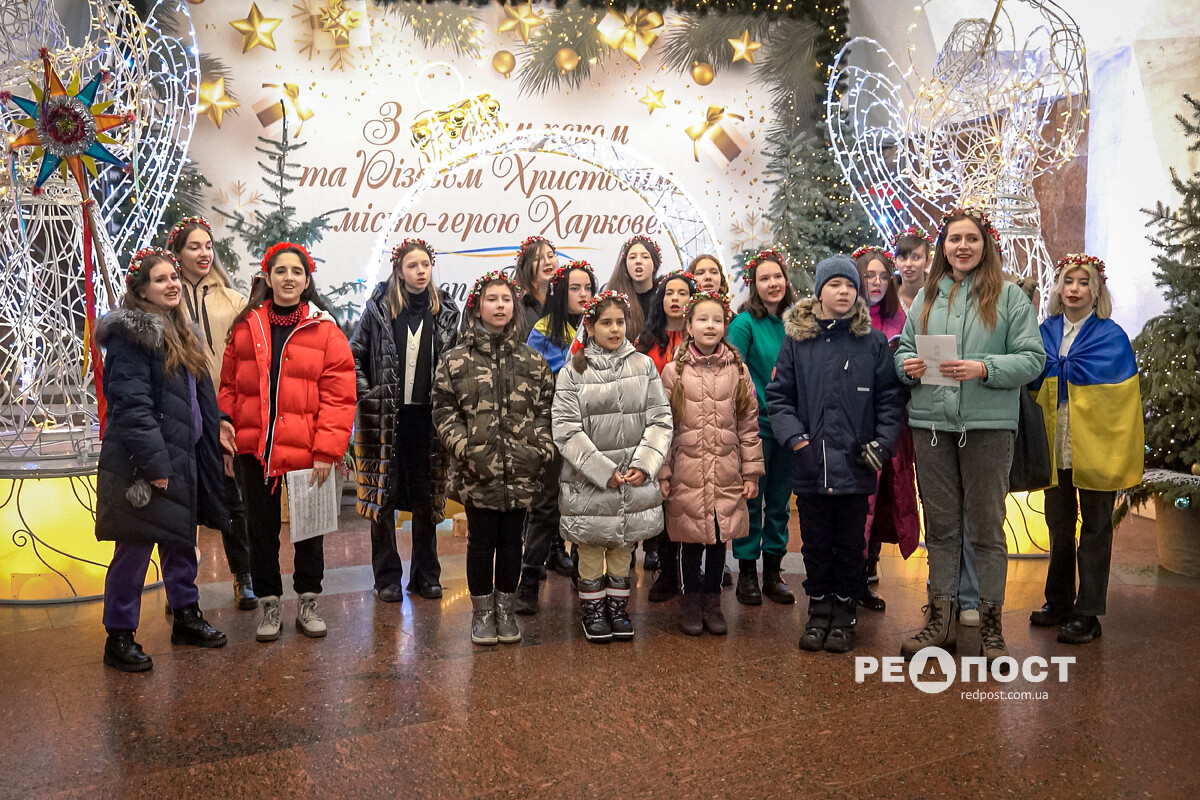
<point>871,599</point>
<point>665,586</point>
<point>820,617</point>
<point>747,592</point>
<point>618,615</point>
<point>527,592</point>
<point>243,592</point>
<point>191,628</point>
<point>123,653</point>
<point>773,585</point>
<point>841,626</point>
<point>593,605</point>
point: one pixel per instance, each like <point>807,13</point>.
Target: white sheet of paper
<point>312,510</point>
<point>934,349</point>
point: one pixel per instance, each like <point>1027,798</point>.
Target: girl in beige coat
<point>715,459</point>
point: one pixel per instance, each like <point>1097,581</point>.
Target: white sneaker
<point>268,627</point>
<point>307,621</point>
<point>969,617</point>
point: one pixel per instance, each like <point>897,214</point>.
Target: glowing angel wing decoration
<point>868,128</point>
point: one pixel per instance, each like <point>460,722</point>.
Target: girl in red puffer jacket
<point>287,381</point>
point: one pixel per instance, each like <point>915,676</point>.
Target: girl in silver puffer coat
<point>612,424</point>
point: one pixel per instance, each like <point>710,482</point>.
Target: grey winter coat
<point>613,416</point>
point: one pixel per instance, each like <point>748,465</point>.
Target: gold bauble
<point>566,59</point>
<point>1196,468</point>
<point>504,62</point>
<point>702,72</point>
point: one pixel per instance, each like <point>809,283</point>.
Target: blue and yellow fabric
<point>1098,379</point>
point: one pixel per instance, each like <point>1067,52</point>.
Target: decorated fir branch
<point>792,69</point>
<point>778,8</point>
<point>1168,348</point>
<point>697,39</point>
<point>563,50</point>
<point>444,24</point>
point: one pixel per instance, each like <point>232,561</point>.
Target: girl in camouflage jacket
<point>491,406</point>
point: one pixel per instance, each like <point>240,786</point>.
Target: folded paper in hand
<point>312,510</point>
<point>933,349</point>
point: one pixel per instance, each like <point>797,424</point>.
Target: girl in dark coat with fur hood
<point>160,469</point>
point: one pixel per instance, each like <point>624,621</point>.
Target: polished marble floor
<point>396,702</point>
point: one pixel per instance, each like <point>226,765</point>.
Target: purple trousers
<point>126,580</point>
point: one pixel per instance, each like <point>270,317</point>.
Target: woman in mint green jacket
<point>964,433</point>
<point>757,334</point>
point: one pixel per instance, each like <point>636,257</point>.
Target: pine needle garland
<point>442,25</point>
<point>572,27</point>
<point>705,39</point>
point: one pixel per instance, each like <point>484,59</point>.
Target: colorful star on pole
<point>744,47</point>
<point>214,102</point>
<point>522,19</point>
<point>653,99</point>
<point>256,29</point>
<point>67,129</point>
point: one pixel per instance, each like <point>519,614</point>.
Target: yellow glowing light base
<point>1025,529</point>
<point>48,547</point>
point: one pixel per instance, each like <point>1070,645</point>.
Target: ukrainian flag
<point>1098,379</point>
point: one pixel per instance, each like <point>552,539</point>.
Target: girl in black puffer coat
<point>160,470</point>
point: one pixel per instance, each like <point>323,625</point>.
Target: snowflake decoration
<point>751,232</point>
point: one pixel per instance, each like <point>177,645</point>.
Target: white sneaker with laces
<point>268,627</point>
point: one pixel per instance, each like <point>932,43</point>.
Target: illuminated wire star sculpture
<point>1005,103</point>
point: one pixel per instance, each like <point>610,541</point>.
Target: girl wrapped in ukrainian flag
<point>1092,405</point>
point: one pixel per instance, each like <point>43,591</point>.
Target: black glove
<point>874,455</point>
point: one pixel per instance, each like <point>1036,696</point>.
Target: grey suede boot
<point>506,624</point>
<point>992,632</point>
<point>939,630</point>
<point>483,619</point>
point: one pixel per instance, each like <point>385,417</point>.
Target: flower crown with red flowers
<point>178,227</point>
<point>135,263</point>
<point>700,297</point>
<point>977,214</point>
<point>1079,260</point>
<point>682,274</point>
<point>565,270</point>
<point>495,276</point>
<point>872,248</point>
<point>918,232</point>
<point>759,257</point>
<point>591,309</point>
<point>275,249</point>
<point>424,245</point>
<point>532,240</point>
<point>645,241</point>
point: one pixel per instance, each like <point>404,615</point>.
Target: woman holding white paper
<point>963,434</point>
<point>288,383</point>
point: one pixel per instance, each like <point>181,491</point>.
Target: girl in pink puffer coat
<point>715,459</point>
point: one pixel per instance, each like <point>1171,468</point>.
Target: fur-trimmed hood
<point>143,328</point>
<point>800,321</point>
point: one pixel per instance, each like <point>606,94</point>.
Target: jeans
<point>964,481</point>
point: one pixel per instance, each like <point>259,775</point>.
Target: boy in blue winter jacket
<point>836,403</point>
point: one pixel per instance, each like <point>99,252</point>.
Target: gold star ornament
<point>522,19</point>
<point>744,47</point>
<point>256,29</point>
<point>653,99</point>
<point>214,102</point>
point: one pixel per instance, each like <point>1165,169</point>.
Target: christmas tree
<point>1168,348</point>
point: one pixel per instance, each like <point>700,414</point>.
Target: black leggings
<point>690,554</point>
<point>493,545</point>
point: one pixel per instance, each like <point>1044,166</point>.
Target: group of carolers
<point>646,412</point>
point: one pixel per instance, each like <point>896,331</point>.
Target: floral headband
<point>916,231</point>
<point>495,276</point>
<point>700,297</point>
<point>681,274</point>
<point>591,309</point>
<point>647,242</point>
<point>532,240</point>
<point>424,245</point>
<point>565,270</point>
<point>977,214</point>
<point>135,263</point>
<point>871,248</point>
<point>761,256</point>
<point>275,249</point>
<point>1079,260</point>
<point>178,227</point>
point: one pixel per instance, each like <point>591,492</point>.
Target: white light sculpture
<point>1006,103</point>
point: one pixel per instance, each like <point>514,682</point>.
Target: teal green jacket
<point>1012,352</point>
<point>758,342</point>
